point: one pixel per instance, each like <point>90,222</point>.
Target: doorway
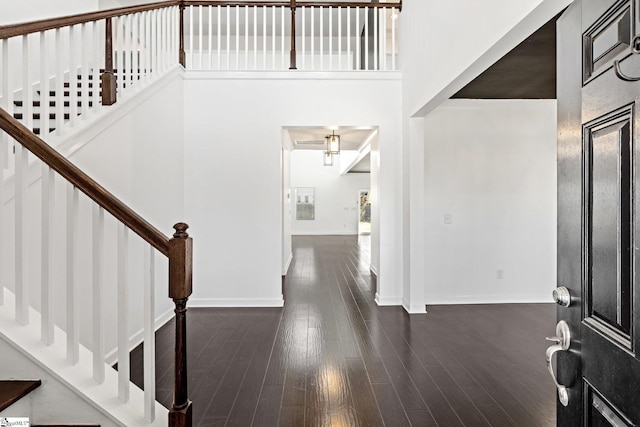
<point>364,212</point>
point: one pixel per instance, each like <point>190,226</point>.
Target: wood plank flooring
<point>332,357</point>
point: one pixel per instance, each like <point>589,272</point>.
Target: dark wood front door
<point>598,213</point>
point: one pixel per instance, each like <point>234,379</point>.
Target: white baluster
<point>349,36</point>
<point>27,84</point>
<point>304,58</point>
<point>59,98</point>
<point>190,61</point>
<point>20,183</point>
<point>264,37</point>
<point>273,37</point>
<point>73,76</point>
<point>149,335</point>
<point>46,255</point>
<point>330,38</point>
<point>127,63</point>
<point>97,262</point>
<point>97,54</point>
<point>313,38</point>
<point>375,38</point>
<point>219,36</point>
<point>210,45</point>
<point>383,38</point>
<point>246,37</point>
<point>284,55</point>
<point>123,313</point>
<point>366,38</point>
<point>228,21</point>
<point>73,343</point>
<point>84,73</point>
<point>200,37</point>
<point>237,37</point>
<point>339,38</point>
<point>393,38</point>
<point>321,38</point>
<point>154,44</point>
<point>147,49</point>
<point>357,39</point>
<point>255,37</point>
<point>7,90</point>
<point>44,85</point>
<point>135,49</point>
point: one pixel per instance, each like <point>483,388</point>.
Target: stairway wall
<point>52,402</point>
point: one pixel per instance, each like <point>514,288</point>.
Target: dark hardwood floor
<point>331,357</point>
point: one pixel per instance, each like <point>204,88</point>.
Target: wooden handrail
<point>288,3</point>
<point>84,183</point>
<point>25,28</point>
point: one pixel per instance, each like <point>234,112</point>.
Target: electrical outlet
<point>447,218</point>
<point>500,274</point>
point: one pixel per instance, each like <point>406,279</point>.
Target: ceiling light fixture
<point>333,143</point>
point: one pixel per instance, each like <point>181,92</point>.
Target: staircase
<point>78,268</point>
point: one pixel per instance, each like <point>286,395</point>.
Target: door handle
<point>562,342</point>
<point>562,296</point>
<point>635,49</point>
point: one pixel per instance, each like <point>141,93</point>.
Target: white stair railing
<point>51,72</point>
<point>222,35</point>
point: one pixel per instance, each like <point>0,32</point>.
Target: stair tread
<point>13,390</point>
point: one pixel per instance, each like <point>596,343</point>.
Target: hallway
<point>332,357</point>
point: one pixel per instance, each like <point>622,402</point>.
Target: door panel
<point>607,200</point>
<point>598,210</point>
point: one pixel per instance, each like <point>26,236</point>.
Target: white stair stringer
<point>78,378</point>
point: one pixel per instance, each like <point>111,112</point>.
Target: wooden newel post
<point>180,269</point>
<point>182,58</point>
<point>108,78</point>
<point>292,56</point>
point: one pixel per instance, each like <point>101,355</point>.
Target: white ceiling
<point>351,138</point>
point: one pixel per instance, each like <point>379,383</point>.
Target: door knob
<point>562,342</point>
<point>562,296</point>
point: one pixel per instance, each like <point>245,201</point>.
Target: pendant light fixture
<point>333,143</point>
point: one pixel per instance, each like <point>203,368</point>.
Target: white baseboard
<point>287,265</point>
<point>484,299</point>
<point>137,338</point>
<point>236,302</point>
<point>414,308</point>
<point>385,301</point>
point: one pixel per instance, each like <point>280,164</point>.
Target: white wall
<point>233,178</point>
<point>336,196</point>
<point>496,177</point>
<point>30,10</point>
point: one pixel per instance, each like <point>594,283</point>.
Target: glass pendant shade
<point>333,143</point>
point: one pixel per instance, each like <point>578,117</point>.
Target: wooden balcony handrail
<point>84,183</point>
<point>288,3</point>
<point>25,28</point>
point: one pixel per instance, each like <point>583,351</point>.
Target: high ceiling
<point>527,72</point>
<point>351,138</point>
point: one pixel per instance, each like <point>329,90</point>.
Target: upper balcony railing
<point>319,36</point>
<point>55,72</point>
